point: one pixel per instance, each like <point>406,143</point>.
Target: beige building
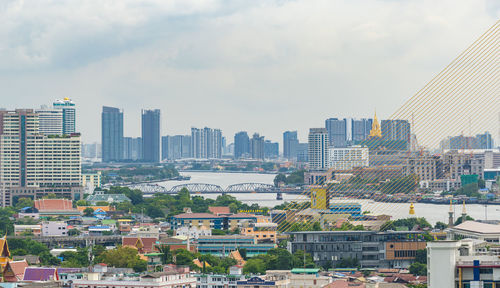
<point>33,164</point>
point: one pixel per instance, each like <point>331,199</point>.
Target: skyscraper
<point>175,147</point>
<point>68,113</point>
<point>112,134</point>
<point>318,149</point>
<point>206,143</point>
<point>257,147</point>
<point>31,163</point>
<point>360,129</point>
<point>241,145</point>
<point>132,148</point>
<point>271,149</point>
<point>151,135</point>
<point>50,121</point>
<point>290,144</point>
<point>396,130</point>
<point>337,132</point>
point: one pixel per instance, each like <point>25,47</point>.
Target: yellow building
<point>4,252</point>
<point>263,232</point>
<point>319,199</point>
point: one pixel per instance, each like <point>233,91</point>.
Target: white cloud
<point>263,66</point>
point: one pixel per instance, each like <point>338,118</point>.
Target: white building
<point>69,114</point>
<point>193,232</point>
<point>475,230</point>
<point>348,158</point>
<point>51,121</point>
<point>318,149</point>
<point>453,264</point>
<point>54,228</point>
<point>221,280</point>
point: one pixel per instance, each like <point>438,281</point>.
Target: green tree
<point>218,232</point>
<point>82,203</point>
<point>6,224</point>
<point>75,259</point>
<point>460,220</point>
<point>24,202</point>
<point>183,257</point>
<point>298,260</point>
<point>421,256</point>
<point>440,225</point>
<point>73,232</point>
<point>279,178</point>
<point>254,266</point>
<point>419,269</point>
<point>123,257</point>
<point>88,212</point>
<point>166,254</point>
<point>347,263</point>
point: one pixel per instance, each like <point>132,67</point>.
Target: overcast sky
<point>259,66</point>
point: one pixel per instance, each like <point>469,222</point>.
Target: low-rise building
<point>34,230</point>
<point>391,249</point>
<point>220,280</point>
<point>100,196</point>
<point>54,228</point>
<point>55,208</point>
<point>223,245</point>
<point>193,232</point>
<point>475,230</point>
<point>264,232</point>
<point>207,220</point>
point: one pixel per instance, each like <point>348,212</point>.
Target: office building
<point>271,149</point>
<point>221,246</point>
<point>481,141</point>
<point>360,129</point>
<point>337,132</point>
<point>34,165</point>
<point>175,147</point>
<point>206,143</point>
<point>257,146</point>
<point>394,130</point>
<point>132,148</point>
<point>241,145</point>
<point>391,249</point>
<point>348,158</point>
<point>290,145</point>
<point>318,149</point>
<point>151,135</point>
<point>112,134</point>
<point>68,109</point>
<point>91,151</point>
<point>463,263</point>
<point>50,121</point>
<point>303,152</point>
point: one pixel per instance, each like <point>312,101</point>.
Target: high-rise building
<point>241,145</point>
<point>290,144</point>
<point>91,151</point>
<point>112,134</point>
<point>271,149</point>
<point>206,143</point>
<point>360,129</point>
<point>68,113</point>
<point>132,148</point>
<point>396,130</point>
<point>257,146</point>
<point>318,149</point>
<point>50,121</point>
<point>175,147</point>
<point>151,135</point>
<point>303,152</point>
<point>33,164</point>
<point>337,132</point>
<point>481,141</point>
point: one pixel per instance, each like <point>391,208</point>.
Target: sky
<point>259,66</point>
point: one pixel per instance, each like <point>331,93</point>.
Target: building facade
<point>394,130</point>
<point>337,132</point>
<point>290,143</point>
<point>318,149</point>
<point>151,135</point>
<point>50,121</point>
<point>206,143</point>
<point>241,145</point>
<point>112,134</point>
<point>257,146</point>
<point>348,158</point>
<point>176,147</point>
<point>68,108</point>
<point>372,249</point>
<point>132,148</point>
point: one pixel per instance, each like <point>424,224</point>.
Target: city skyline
<point>223,62</point>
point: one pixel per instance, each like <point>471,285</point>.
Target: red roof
<point>14,271</point>
<point>196,215</point>
<point>344,284</point>
<point>148,243</point>
<point>217,210</point>
<point>54,205</point>
<point>242,215</point>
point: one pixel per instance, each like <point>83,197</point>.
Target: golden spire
<point>451,205</point>
<point>376,131</point>
<point>412,209</point>
<point>464,212</point>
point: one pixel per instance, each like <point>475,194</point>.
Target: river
<point>432,212</point>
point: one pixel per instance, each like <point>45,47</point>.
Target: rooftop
<point>478,227</point>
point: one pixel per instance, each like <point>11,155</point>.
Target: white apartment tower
<point>318,149</point>
<point>348,158</point>
<point>69,114</point>
<point>50,121</point>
